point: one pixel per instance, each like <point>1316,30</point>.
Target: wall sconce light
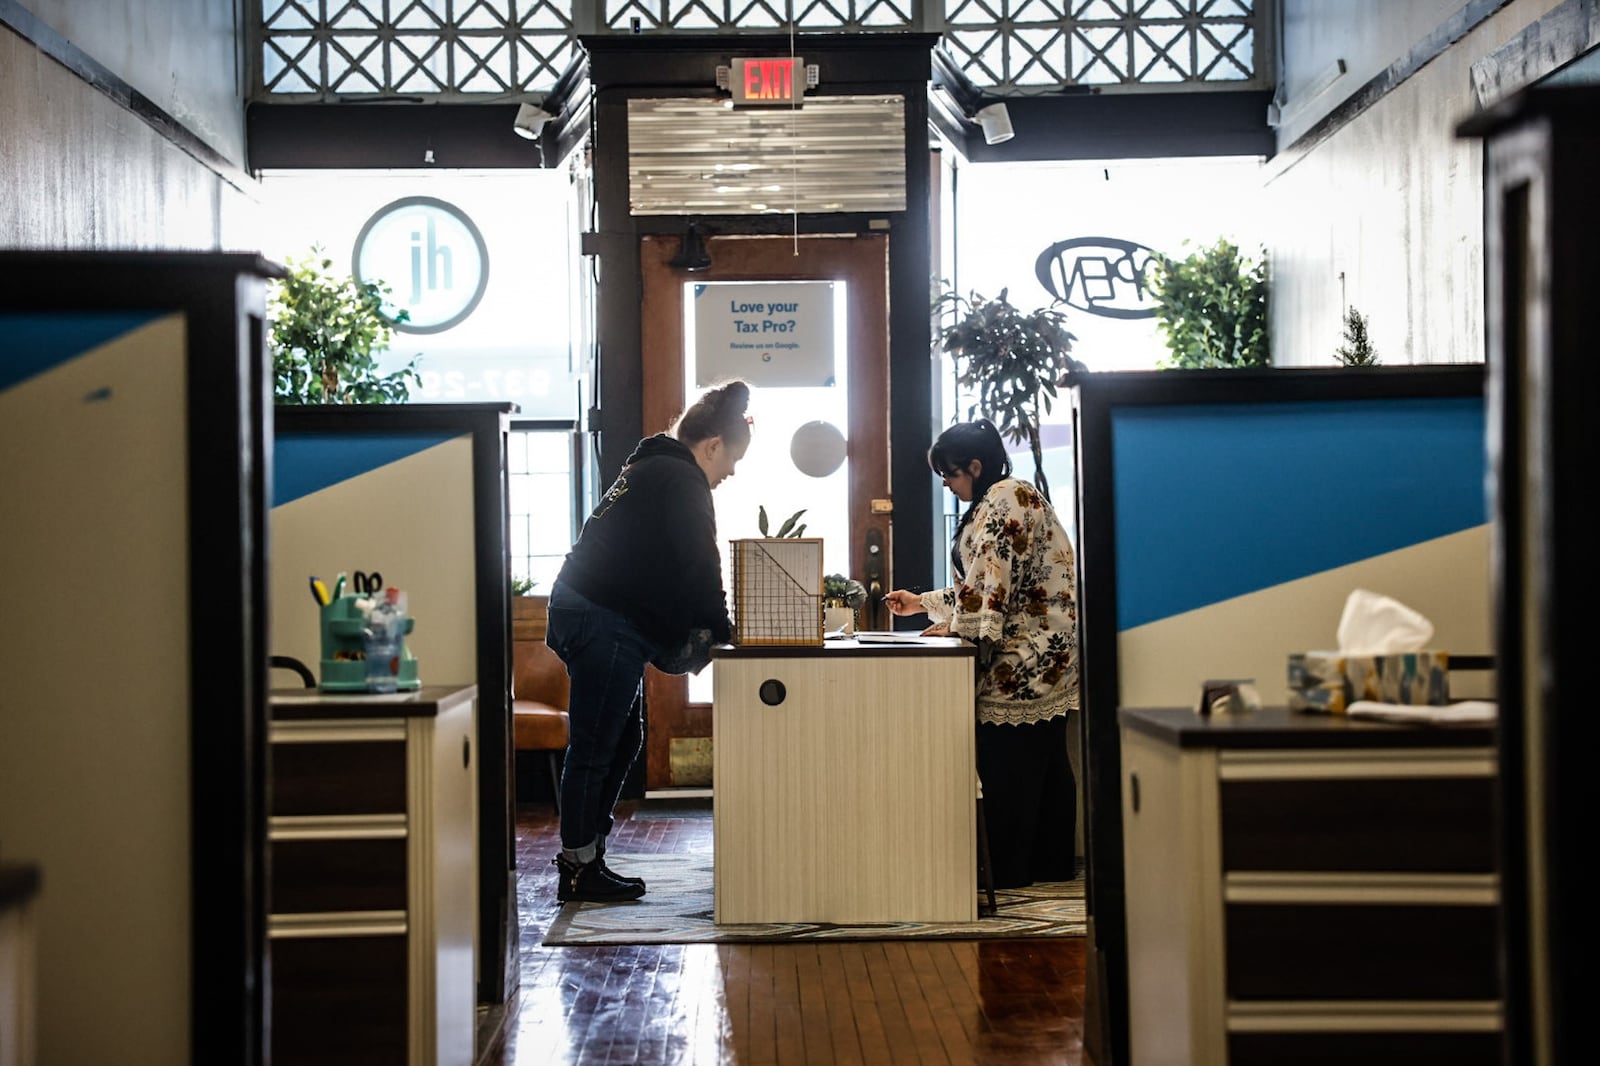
<point>995,121</point>
<point>530,121</point>
<point>692,255</point>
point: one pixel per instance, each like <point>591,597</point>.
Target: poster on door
<point>770,333</point>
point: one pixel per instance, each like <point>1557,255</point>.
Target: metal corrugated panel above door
<point>834,154</point>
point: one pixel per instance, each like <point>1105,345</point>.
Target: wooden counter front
<point>845,783</point>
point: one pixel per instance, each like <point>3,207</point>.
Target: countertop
<point>1279,727</point>
<point>904,643</point>
<point>291,704</point>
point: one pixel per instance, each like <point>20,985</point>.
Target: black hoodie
<point>649,550</point>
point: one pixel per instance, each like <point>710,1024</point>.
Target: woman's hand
<point>902,602</point>
<point>938,629</point>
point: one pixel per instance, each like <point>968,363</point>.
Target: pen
<point>319,592</point>
<point>338,585</point>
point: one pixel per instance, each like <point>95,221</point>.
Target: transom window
<point>475,50</point>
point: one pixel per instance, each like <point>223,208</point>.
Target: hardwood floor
<point>909,1001</point>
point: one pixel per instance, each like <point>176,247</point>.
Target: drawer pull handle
<point>1133,791</point>
<point>772,692</point>
<point>466,752</point>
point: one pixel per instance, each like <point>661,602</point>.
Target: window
<point>544,516</point>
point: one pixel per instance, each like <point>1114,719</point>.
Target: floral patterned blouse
<point>1018,601</point>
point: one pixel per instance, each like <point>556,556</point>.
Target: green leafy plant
<point>1014,360</point>
<point>1357,348</point>
<point>1212,306</point>
<point>326,332</point>
<point>844,590</point>
<point>522,586</point>
<point>788,529</point>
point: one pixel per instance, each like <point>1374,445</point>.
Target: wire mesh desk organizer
<point>777,590</point>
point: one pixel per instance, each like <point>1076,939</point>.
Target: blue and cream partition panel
<point>418,494</point>
<point>133,426</point>
<point>1227,515</point>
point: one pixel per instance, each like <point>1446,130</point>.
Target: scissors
<point>368,584</point>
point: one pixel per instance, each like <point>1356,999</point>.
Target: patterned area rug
<point>678,910</point>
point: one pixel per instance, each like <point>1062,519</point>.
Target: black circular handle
<point>772,692</point>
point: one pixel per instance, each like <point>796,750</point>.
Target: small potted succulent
<point>841,598</point>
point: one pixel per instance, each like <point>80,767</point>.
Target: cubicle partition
<point>133,425</point>
<point>1225,517</point>
<point>416,493</point>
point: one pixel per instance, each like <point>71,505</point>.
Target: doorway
<point>856,523</point>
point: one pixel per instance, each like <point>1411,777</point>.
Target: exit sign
<point>768,81</point>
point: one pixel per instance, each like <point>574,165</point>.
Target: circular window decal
<point>432,258</point>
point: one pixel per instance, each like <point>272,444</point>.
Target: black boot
<point>590,882</point>
<point>600,857</point>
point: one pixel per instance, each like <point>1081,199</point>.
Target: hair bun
<point>735,394</point>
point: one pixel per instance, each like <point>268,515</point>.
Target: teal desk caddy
<point>344,660</point>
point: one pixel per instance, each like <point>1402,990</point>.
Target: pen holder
<point>344,652</point>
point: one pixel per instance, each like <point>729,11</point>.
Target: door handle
<point>875,578</point>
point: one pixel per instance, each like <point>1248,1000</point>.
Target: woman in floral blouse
<point>1015,596</point>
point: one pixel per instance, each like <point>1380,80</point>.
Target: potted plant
<point>1212,306</point>
<point>842,597</point>
<point>1014,360</point>
<point>326,332</point>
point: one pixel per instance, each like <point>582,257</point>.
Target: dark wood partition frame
<point>489,424</point>
<point>1095,399</point>
<point>1542,221</point>
<point>222,298</point>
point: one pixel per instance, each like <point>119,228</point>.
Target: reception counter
<point>845,782</point>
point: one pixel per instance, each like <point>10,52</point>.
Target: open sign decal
<point>1101,275</point>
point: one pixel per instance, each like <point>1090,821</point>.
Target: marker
<point>319,592</point>
<point>338,585</point>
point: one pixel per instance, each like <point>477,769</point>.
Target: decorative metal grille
<point>723,16</point>
<point>432,49</point>
<point>1040,45</point>
<point>444,50</point>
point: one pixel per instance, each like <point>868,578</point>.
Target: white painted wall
<point>1393,200</point>
<point>78,170</point>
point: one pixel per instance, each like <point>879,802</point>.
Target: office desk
<point>373,877</point>
<point>845,782</point>
<point>1309,888</point>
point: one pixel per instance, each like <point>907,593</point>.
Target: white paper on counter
<point>1466,711</point>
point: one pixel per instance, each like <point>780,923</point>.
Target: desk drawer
<point>1404,811</point>
<point>324,876</point>
<point>340,1000</point>
<point>339,777</point>
<point>1368,1049</point>
<point>1361,952</point>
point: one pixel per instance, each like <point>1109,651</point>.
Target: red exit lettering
<point>769,79</point>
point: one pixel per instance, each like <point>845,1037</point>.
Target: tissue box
<point>1329,681</point>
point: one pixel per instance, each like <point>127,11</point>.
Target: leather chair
<point>539,689</point>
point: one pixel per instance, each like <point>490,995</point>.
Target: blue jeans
<point>605,656</point>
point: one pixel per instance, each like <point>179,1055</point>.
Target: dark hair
<point>719,412</point>
<point>954,451</point>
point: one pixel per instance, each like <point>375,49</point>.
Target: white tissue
<point>1375,624</point>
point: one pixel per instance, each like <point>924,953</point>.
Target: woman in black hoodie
<point>642,585</point>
